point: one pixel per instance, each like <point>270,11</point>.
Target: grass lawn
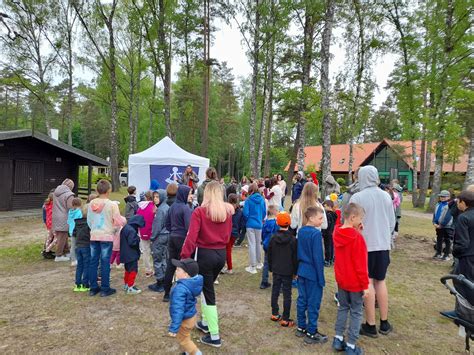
<point>40,313</point>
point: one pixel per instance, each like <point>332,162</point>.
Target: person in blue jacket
<point>183,303</point>
<point>255,211</point>
<point>310,276</point>
<point>270,227</point>
<point>130,252</point>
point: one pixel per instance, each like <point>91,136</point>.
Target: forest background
<point>258,124</point>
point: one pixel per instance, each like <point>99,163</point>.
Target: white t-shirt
<point>277,196</point>
<point>282,184</point>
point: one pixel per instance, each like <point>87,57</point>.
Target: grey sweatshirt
<point>379,220</point>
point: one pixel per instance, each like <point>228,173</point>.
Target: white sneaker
<point>74,263</point>
<point>259,266</point>
<point>216,282</point>
<point>251,269</point>
<point>229,272</point>
<point>61,258</point>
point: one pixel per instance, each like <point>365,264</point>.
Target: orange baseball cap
<point>283,219</point>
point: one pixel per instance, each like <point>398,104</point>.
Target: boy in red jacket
<point>351,269</point>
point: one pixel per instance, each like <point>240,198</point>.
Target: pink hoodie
<point>147,210</point>
<point>103,218</point>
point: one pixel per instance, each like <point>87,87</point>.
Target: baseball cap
<point>283,219</point>
<point>189,265</point>
<point>444,193</point>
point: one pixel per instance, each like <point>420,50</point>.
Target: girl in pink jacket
<point>147,209</point>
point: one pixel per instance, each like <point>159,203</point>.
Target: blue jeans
<point>83,257</point>
<point>308,304</point>
<point>102,250</point>
<point>265,270</point>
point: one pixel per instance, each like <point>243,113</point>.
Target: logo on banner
<point>168,174</point>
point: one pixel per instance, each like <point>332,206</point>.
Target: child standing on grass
<point>310,276</point>
<point>147,209</point>
<point>48,221</point>
<point>115,257</point>
<point>183,303</point>
<point>238,223</point>
<point>74,213</point>
<point>331,217</point>
<point>130,252</point>
<point>131,204</point>
<point>270,227</point>
<point>82,236</point>
<point>283,263</point>
<point>351,271</point>
<point>443,223</point>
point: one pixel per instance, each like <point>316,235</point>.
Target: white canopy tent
<point>164,162</point>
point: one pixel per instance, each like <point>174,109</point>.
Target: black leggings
<point>211,262</point>
<point>328,247</point>
<point>175,244</point>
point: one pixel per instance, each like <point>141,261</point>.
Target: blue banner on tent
<point>167,174</point>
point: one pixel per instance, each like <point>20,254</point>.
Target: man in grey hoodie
<point>159,240</point>
<point>378,225</point>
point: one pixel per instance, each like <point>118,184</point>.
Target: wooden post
<point>89,178</point>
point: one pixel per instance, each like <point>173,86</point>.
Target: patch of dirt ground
<point>41,314</point>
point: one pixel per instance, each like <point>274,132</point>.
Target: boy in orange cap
<point>283,263</point>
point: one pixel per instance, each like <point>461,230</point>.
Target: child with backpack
<point>283,263</point>
<point>351,271</point>
<point>82,235</point>
<point>270,227</point>
<point>310,276</point>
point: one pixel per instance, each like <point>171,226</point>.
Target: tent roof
<point>167,152</point>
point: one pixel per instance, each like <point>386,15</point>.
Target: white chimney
<point>55,133</point>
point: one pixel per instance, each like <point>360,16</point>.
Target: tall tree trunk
<point>131,85</point>
<point>206,79</point>
<point>269,110</point>
<point>470,163</point>
<point>437,174</point>
<point>165,46</point>
<point>422,162</point>
<point>70,70</point>
<point>253,113</point>
<point>263,120</point>
<point>325,59</point>
<point>152,112</point>
<point>137,96</point>
<point>425,178</point>
<point>17,108</point>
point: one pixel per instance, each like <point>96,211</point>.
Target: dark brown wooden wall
<point>53,172</point>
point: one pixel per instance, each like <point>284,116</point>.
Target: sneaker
<point>368,330</point>
<point>133,290</point>
<point>265,285</point>
<point>287,323</point>
<point>203,328</point>
<point>84,288</point>
<point>216,282</point>
<point>223,271</point>
<point>251,269</point>
<point>437,256</point>
<point>206,339</point>
<point>77,288</point>
<point>94,291</point>
<point>156,287</point>
<point>125,287</point>
<point>300,332</point>
<point>259,266</point>
<point>385,328</point>
<point>316,338</point>
<point>275,318</point>
<point>74,263</point>
<point>446,258</point>
<point>108,292</point>
<point>354,351</point>
<point>327,264</point>
<point>166,297</point>
<point>338,345</point>
<point>61,258</point>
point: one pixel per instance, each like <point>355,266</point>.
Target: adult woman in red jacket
<point>209,232</point>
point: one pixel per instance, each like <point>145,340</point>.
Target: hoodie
<point>179,214</point>
<point>103,218</point>
<point>183,301</point>
<point>72,215</point>
<point>379,219</point>
<point>270,227</point>
<point>147,210</point>
<point>351,190</point>
<point>350,255</point>
<point>204,233</point>
<point>282,254</point>
<point>48,214</point>
<point>130,241</point>
<point>131,206</point>
<point>159,222</point>
<point>310,255</point>
<point>62,203</point>
<point>255,211</point>
<point>463,245</point>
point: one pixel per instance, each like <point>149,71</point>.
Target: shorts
<point>378,264</point>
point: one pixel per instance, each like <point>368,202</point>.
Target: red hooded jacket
<point>350,255</point>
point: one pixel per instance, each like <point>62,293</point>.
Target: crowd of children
<point>166,228</point>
